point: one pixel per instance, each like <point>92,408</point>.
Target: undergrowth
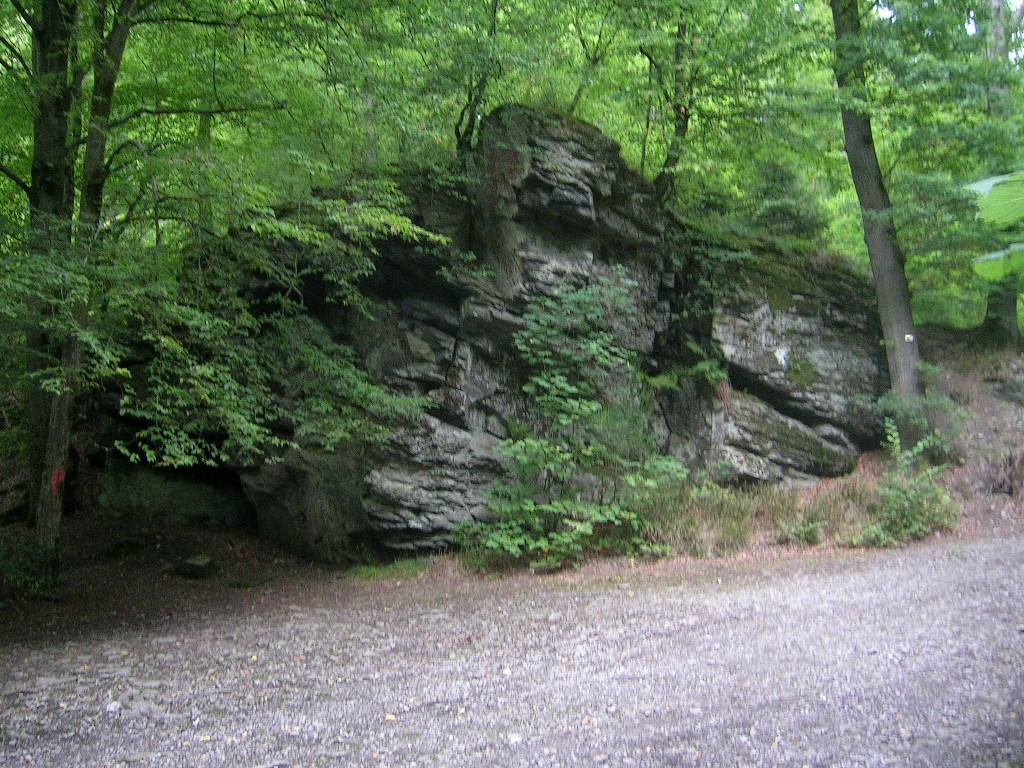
<point>904,502</point>
<point>912,503</point>
<point>581,471</point>
<point>402,568</point>
<point>584,476</point>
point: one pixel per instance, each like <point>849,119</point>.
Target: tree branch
<point>232,21</point>
<point>17,55</point>
<point>128,9</point>
<point>157,111</point>
<point>123,147</point>
<point>18,181</point>
<point>27,17</point>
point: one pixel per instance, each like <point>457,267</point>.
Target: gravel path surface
<point>906,658</point>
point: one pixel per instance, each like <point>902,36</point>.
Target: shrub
<point>580,475</point>
<point>911,501</point>
<point>807,530</point>
<point>933,415</point>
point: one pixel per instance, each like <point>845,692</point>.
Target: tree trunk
<point>884,252</point>
<point>476,90</point>
<point>680,101</point>
<point>58,75</point>
<point>50,505</point>
<point>1002,26</point>
<point>51,209</point>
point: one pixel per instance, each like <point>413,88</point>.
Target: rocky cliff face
<point>555,205</point>
<point>802,345</point>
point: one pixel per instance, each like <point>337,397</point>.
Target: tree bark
<point>50,504</point>
<point>887,266</point>
<point>52,204</point>
<point>51,210</point>
<point>476,90</point>
<point>679,98</point>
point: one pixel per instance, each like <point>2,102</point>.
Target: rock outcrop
<point>801,340</point>
<point>555,205</point>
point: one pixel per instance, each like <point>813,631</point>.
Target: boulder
<point>308,502</point>
<point>804,336</point>
<point>801,340</point>
<point>755,442</point>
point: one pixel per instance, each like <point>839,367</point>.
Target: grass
<point>709,520</point>
<point>713,521</point>
<point>401,569</point>
<point>839,508</point>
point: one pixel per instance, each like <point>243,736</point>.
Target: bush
<point>911,501</point>
<point>579,476</point>
<point>933,414</point>
<point>806,531</point>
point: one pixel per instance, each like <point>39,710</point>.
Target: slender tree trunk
<point>588,73</point>
<point>1003,23</point>
<point>887,266</point>
<point>53,212</point>
<point>50,506</point>
<point>680,101</point>
<point>51,207</point>
<point>476,90</point>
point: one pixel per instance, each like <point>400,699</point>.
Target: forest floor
<point>778,655</point>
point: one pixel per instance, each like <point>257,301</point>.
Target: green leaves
<point>575,480</point>
<point>1000,201</point>
<point>912,502</point>
<point>1000,264</point>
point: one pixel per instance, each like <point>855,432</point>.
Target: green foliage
<point>709,368</point>
<point>209,343</point>
<point>960,306</point>
<point>12,413</point>
<point>933,415</point>
<point>578,479</point>
<point>1003,206</point>
<point>807,530</point>
<point>150,497</point>
<point>401,569</point>
<point>1000,264</point>
<point>784,207</point>
<point>912,503</point>
<point>570,345</point>
<point>229,117</point>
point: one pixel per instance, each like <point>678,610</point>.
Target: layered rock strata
<point>555,205</point>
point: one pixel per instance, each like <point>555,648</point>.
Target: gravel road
<point>905,658</point>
